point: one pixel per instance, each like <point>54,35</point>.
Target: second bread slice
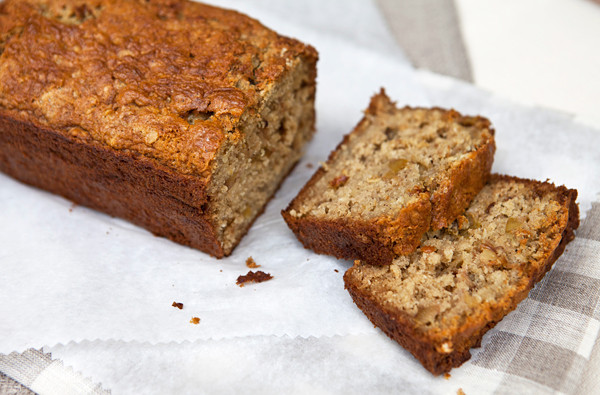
<point>439,301</point>
<point>398,174</point>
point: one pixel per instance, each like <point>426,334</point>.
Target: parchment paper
<point>368,362</point>
<point>70,273</point>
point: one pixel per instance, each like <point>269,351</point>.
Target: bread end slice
<point>439,301</point>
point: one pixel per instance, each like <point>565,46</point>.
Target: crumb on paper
<point>178,305</point>
<point>221,271</point>
<point>309,165</point>
<point>251,264</point>
<point>447,376</point>
<point>195,320</point>
<point>253,277</point>
<point>335,270</point>
<point>73,205</point>
<point>460,392</point>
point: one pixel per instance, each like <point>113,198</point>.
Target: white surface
<point>543,52</point>
<point>96,277</point>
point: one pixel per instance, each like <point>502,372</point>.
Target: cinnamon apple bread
<point>178,116</point>
<point>398,174</point>
<point>440,300</point>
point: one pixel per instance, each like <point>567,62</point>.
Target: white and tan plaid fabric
<point>547,342</point>
<point>36,372</point>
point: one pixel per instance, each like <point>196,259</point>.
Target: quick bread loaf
<point>439,301</point>
<point>180,117</point>
<point>398,174</point>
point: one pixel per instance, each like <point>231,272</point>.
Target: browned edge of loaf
<point>118,183</point>
<point>377,241</point>
<point>400,327</point>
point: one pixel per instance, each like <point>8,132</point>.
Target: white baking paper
<point>353,364</point>
<point>70,273</point>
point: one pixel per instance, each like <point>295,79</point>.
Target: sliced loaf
<point>398,174</point>
<point>439,301</point>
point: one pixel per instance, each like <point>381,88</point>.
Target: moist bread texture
<point>398,174</point>
<point>439,301</point>
<point>180,117</point>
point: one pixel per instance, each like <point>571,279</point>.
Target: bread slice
<point>439,301</point>
<point>399,173</point>
<point>178,116</point>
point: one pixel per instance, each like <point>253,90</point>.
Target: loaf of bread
<point>439,301</point>
<point>398,174</point>
<point>180,117</point>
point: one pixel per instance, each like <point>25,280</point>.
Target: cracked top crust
<point>167,79</point>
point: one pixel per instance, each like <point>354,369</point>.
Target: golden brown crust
<point>125,106</point>
<point>429,348</point>
<point>377,241</point>
<point>168,79</point>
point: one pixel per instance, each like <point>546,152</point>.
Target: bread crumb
<point>195,320</point>
<point>309,165</point>
<point>460,392</point>
<point>251,264</point>
<point>335,270</point>
<point>253,277</point>
<point>73,205</point>
<point>447,376</point>
<point>178,305</point>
